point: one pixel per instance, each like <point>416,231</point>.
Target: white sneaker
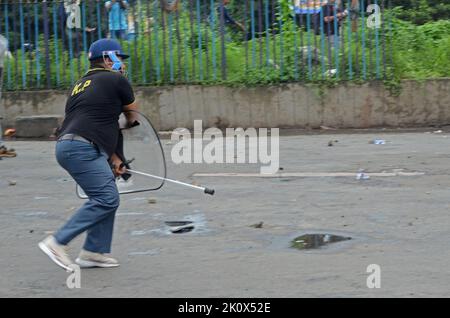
<point>88,259</point>
<point>56,252</point>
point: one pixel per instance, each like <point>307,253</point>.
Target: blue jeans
<point>90,169</point>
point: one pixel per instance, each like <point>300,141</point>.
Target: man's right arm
<point>129,114</point>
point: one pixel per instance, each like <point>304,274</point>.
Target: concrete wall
<point>291,105</point>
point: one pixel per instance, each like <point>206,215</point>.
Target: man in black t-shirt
<point>87,148</point>
<point>332,19</point>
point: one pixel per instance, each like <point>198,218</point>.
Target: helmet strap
<point>117,65</point>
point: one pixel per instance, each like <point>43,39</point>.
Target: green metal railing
<point>195,41</point>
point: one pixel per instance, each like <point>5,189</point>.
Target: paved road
<point>401,223</point>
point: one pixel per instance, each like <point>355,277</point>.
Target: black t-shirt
<point>329,27</point>
<point>94,106</point>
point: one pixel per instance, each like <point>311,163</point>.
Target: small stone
<point>152,201</point>
<point>12,182</point>
<point>257,225</point>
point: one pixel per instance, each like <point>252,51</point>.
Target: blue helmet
<point>103,47</point>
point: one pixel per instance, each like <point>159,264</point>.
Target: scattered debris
<point>177,223</point>
<point>181,229</point>
<point>378,142</point>
<point>332,142</point>
<point>178,227</point>
<point>361,175</point>
<point>310,241</point>
<point>257,225</point>
<point>327,128</point>
<point>437,132</point>
<point>330,73</point>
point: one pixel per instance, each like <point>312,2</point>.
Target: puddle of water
<point>191,223</point>
<point>311,241</point>
<point>195,223</point>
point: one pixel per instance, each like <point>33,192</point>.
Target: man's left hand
<point>117,166</point>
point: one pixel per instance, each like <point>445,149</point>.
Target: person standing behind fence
<point>330,12</point>
<point>230,24</point>
<point>71,14</point>
<point>228,20</point>
<point>117,17</point>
